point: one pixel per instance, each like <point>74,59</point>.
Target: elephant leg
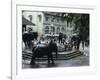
<point>51,56</point>
<point>32,61</point>
<point>56,54</point>
<point>48,59</point>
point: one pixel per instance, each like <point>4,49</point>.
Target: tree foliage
<point>81,23</point>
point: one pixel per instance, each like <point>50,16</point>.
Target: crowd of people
<point>30,39</point>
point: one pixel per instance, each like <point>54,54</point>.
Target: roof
<point>26,22</point>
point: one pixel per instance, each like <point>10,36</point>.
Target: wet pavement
<point>82,60</point>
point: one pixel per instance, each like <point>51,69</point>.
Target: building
<point>53,23</point>
<point>47,23</point>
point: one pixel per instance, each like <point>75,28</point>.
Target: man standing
<point>60,37</point>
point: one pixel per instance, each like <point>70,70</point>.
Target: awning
<point>26,22</point>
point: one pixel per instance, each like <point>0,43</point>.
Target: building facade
<point>47,23</point>
<point>54,24</point>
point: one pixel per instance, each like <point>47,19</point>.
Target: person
<point>53,46</point>
<point>73,41</point>
<point>60,37</point>
<point>63,41</point>
<point>78,42</point>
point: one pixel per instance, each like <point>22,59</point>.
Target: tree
<point>81,24</point>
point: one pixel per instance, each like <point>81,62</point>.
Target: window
<point>58,20</point>
<point>47,18</point>
<point>58,30</point>
<point>47,30</point>
<point>52,19</point>
<point>63,29</point>
<point>30,17</point>
<point>52,29</point>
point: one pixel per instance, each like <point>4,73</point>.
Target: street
<point>75,62</point>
